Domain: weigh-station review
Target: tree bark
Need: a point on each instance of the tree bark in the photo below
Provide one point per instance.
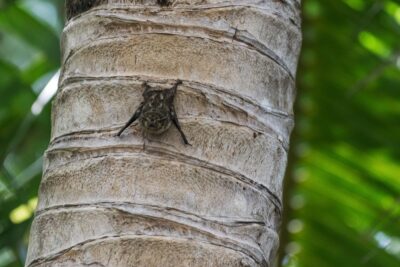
(106, 201)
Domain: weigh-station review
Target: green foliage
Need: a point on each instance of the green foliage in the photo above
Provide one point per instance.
(29, 55)
(343, 197)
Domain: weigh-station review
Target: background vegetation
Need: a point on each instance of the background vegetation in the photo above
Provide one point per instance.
(343, 181)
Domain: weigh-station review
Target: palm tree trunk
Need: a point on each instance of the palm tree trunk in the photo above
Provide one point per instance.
(106, 201)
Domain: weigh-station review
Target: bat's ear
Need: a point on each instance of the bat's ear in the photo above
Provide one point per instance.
(146, 89)
(173, 89)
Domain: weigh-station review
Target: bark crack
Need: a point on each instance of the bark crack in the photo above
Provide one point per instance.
(244, 41)
(202, 87)
(157, 212)
(85, 134)
(201, 228)
(293, 19)
(260, 259)
(166, 154)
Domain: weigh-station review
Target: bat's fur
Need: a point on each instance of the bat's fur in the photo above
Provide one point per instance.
(156, 113)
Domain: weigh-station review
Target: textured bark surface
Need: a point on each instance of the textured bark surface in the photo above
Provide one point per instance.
(104, 201)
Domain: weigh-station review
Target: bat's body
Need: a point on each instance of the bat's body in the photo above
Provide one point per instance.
(156, 113)
(163, 2)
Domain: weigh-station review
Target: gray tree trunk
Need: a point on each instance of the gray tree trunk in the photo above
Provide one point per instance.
(104, 200)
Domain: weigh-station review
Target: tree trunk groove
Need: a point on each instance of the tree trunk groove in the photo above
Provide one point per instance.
(106, 201)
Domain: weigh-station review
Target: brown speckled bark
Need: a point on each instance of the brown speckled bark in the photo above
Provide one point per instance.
(104, 201)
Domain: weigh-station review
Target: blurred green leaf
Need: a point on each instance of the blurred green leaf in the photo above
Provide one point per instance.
(29, 56)
(34, 32)
(346, 150)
